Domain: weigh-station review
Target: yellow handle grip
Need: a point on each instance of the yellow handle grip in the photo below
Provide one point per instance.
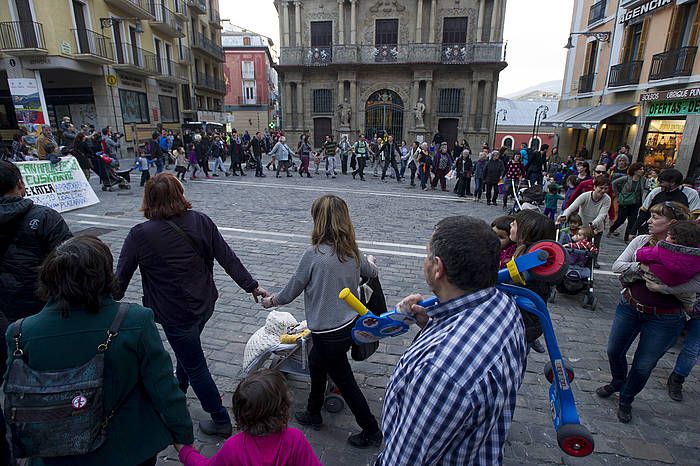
(347, 296)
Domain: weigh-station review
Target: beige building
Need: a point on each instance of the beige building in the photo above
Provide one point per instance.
(129, 64)
(632, 78)
(410, 68)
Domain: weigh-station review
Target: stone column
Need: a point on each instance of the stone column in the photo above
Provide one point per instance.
(433, 13)
(419, 23)
(300, 105)
(486, 110)
(288, 98)
(480, 22)
(341, 90)
(341, 22)
(285, 23)
(353, 22)
(353, 103)
(495, 15)
(473, 101)
(429, 110)
(297, 18)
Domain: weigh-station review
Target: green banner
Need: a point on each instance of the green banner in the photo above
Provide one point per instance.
(674, 107)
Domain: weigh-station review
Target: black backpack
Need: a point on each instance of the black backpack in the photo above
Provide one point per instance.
(58, 413)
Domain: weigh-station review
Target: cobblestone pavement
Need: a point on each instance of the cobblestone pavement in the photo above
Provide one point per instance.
(267, 222)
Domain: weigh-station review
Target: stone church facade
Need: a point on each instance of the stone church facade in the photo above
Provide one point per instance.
(410, 68)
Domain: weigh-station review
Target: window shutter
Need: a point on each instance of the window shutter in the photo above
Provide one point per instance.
(642, 39)
(674, 31)
(624, 58)
(695, 31)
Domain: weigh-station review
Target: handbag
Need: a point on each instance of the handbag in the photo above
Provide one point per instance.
(629, 197)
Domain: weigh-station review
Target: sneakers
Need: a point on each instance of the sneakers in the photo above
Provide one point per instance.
(306, 418)
(364, 439)
(209, 427)
(675, 386)
(606, 391)
(537, 346)
(624, 413)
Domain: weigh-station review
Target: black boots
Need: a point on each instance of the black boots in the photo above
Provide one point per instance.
(305, 418)
(675, 386)
(624, 413)
(366, 439)
(606, 391)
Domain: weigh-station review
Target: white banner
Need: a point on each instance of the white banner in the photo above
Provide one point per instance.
(61, 186)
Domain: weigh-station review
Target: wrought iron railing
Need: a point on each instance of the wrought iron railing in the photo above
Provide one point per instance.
(204, 43)
(137, 57)
(167, 17)
(625, 74)
(585, 83)
(597, 12)
(400, 54)
(93, 43)
(15, 35)
(184, 54)
(200, 5)
(673, 63)
(210, 82)
(144, 8)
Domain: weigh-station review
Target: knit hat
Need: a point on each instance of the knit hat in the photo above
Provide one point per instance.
(267, 337)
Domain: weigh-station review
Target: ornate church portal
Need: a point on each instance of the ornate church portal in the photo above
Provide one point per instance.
(384, 113)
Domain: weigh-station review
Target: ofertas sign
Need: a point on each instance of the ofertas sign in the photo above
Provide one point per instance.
(642, 10)
(61, 186)
(674, 107)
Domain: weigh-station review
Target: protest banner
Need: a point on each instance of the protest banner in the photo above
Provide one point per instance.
(61, 186)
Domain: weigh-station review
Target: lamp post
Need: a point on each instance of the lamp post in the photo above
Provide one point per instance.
(599, 36)
(543, 116)
(495, 129)
(541, 109)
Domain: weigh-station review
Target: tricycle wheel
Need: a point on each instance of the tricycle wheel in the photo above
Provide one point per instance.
(334, 403)
(557, 261)
(575, 440)
(549, 373)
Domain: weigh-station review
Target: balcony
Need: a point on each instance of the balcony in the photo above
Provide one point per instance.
(93, 47)
(254, 101)
(674, 63)
(166, 22)
(136, 60)
(168, 70)
(215, 19)
(625, 74)
(22, 38)
(597, 12)
(208, 46)
(585, 83)
(211, 84)
(144, 9)
(398, 54)
(198, 6)
(180, 8)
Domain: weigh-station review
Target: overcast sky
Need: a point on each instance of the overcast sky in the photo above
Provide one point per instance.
(536, 31)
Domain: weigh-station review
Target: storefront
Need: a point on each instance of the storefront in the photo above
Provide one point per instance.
(670, 130)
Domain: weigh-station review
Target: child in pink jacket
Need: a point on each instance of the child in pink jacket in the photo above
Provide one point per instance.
(261, 409)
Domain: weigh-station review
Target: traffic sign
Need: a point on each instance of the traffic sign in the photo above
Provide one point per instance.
(111, 80)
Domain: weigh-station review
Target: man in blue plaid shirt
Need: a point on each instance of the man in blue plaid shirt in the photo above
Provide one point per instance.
(451, 398)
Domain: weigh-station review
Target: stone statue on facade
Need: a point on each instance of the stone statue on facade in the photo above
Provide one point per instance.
(345, 113)
(419, 112)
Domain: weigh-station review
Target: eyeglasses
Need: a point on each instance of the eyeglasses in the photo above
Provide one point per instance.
(600, 172)
(674, 209)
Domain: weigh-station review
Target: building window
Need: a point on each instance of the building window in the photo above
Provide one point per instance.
(169, 112)
(134, 106)
(684, 27)
(386, 32)
(507, 142)
(321, 33)
(246, 40)
(248, 70)
(450, 101)
(323, 101)
(454, 30)
(249, 92)
(634, 41)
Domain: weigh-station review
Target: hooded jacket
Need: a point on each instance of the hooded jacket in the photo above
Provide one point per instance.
(31, 231)
(673, 264)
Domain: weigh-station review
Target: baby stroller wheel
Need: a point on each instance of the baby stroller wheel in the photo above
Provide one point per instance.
(334, 403)
(549, 373)
(589, 301)
(575, 440)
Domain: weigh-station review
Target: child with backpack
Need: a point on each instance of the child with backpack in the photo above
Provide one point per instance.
(261, 409)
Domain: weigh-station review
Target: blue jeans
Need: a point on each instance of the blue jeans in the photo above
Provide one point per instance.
(192, 367)
(404, 164)
(159, 164)
(657, 333)
(691, 349)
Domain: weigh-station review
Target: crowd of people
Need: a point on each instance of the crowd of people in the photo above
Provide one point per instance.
(440, 405)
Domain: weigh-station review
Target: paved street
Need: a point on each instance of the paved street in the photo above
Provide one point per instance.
(267, 222)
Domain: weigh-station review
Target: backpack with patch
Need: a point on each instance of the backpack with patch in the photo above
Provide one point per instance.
(58, 412)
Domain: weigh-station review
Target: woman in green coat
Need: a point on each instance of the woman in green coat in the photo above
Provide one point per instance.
(151, 411)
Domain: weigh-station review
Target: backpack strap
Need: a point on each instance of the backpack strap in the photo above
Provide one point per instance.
(114, 328)
(16, 336)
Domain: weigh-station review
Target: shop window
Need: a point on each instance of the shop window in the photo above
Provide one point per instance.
(323, 101)
(134, 106)
(321, 33)
(662, 142)
(454, 30)
(507, 142)
(169, 112)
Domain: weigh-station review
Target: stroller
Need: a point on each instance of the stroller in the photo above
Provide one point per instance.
(579, 276)
(111, 175)
(527, 196)
(290, 355)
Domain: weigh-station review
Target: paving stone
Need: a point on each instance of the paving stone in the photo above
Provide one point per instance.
(642, 450)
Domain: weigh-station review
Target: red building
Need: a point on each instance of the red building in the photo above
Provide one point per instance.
(251, 82)
(516, 126)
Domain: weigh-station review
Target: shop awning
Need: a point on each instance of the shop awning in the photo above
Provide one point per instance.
(586, 117)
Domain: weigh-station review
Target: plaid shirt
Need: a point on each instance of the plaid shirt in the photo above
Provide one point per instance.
(451, 398)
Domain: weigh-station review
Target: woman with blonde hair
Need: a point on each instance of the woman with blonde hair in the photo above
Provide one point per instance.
(331, 263)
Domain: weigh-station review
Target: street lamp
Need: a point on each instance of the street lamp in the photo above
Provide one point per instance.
(109, 22)
(495, 129)
(599, 36)
(540, 114)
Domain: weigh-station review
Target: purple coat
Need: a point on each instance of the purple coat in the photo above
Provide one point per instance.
(673, 264)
